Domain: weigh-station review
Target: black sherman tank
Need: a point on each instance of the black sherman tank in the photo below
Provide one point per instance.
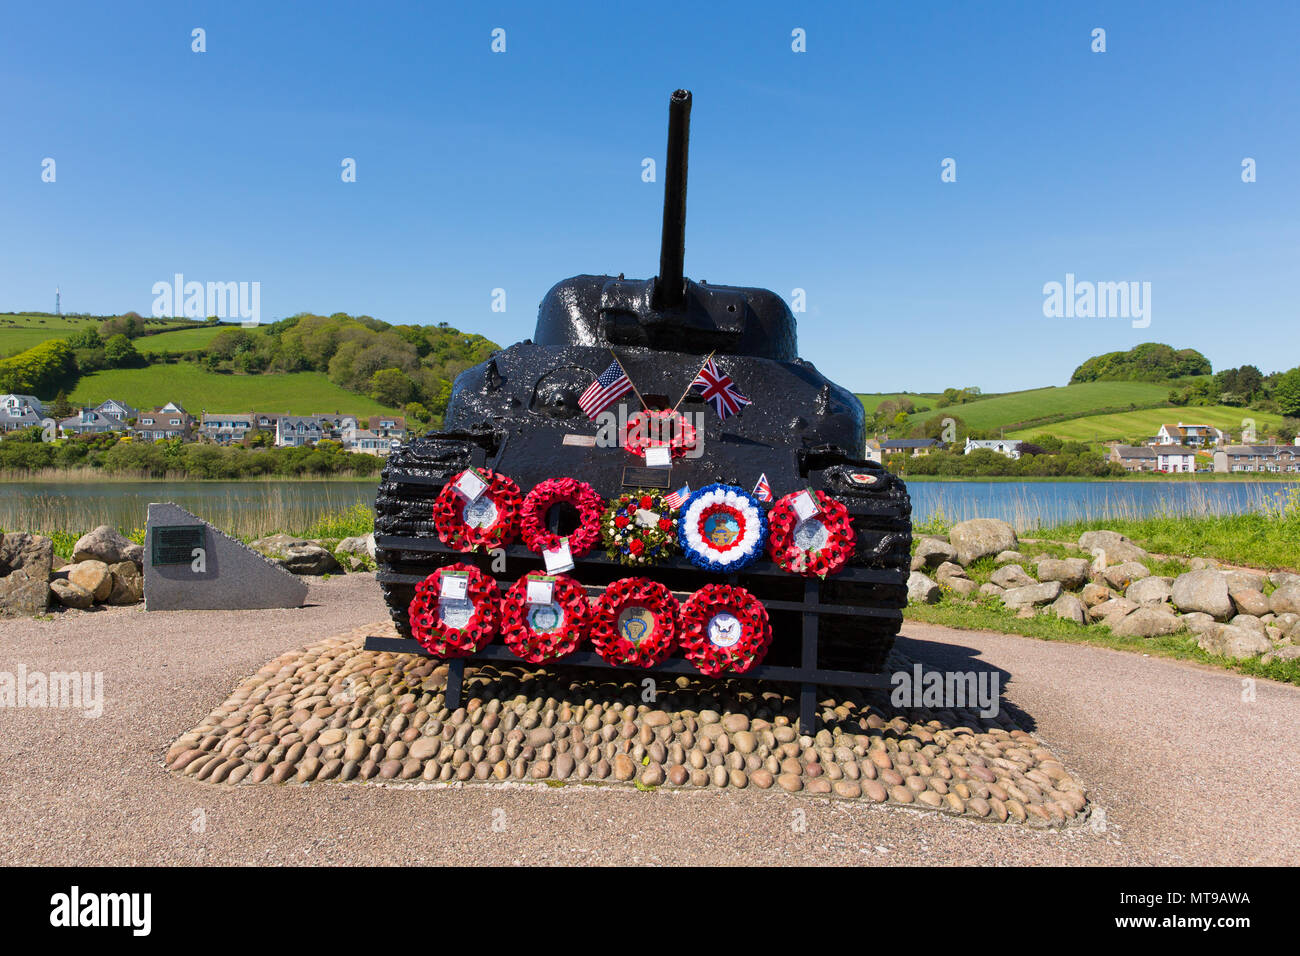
(513, 412)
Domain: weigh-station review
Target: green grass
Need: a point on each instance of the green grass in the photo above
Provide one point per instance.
(180, 340)
(20, 332)
(1072, 401)
(1136, 426)
(294, 393)
(989, 615)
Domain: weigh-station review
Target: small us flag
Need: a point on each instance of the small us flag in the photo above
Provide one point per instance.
(611, 385)
(678, 497)
(719, 389)
(762, 490)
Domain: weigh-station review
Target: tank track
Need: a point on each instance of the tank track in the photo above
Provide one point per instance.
(881, 510)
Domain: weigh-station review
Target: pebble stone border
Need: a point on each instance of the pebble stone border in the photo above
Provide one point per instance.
(333, 711)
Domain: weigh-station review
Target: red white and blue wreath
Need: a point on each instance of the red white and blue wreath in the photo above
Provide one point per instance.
(724, 630)
(635, 622)
(722, 528)
(539, 633)
(456, 626)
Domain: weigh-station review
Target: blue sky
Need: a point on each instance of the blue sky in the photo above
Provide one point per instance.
(816, 170)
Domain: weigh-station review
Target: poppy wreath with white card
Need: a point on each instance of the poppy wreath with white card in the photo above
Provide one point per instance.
(583, 497)
(722, 528)
(635, 622)
(639, 528)
(541, 632)
(819, 544)
(490, 520)
(659, 428)
(456, 626)
(724, 630)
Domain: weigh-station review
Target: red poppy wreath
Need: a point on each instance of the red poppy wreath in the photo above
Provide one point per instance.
(657, 429)
(489, 521)
(456, 626)
(820, 544)
(635, 622)
(539, 633)
(532, 520)
(724, 629)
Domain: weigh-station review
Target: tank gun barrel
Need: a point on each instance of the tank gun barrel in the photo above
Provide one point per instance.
(670, 290)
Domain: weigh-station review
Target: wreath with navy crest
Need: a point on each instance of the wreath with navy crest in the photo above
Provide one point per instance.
(725, 629)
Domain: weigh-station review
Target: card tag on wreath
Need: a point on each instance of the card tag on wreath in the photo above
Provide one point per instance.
(659, 456)
(541, 590)
(558, 558)
(454, 585)
(805, 505)
(470, 486)
(646, 518)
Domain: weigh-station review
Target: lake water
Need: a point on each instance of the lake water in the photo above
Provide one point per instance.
(259, 507)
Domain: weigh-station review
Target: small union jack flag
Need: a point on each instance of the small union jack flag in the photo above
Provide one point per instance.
(720, 390)
(762, 490)
(678, 497)
(611, 385)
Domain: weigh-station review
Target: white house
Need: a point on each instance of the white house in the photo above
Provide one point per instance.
(20, 411)
(115, 409)
(90, 421)
(1010, 447)
(1175, 458)
(296, 431)
(1196, 436)
(17, 402)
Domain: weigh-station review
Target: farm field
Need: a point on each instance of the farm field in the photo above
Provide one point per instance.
(1136, 426)
(180, 340)
(23, 331)
(294, 393)
(1074, 401)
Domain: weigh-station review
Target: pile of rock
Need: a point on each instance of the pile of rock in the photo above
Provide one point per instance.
(333, 711)
(303, 556)
(1226, 607)
(106, 568)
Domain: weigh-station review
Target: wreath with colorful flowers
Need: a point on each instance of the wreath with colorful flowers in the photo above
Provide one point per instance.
(550, 493)
(724, 628)
(820, 544)
(639, 528)
(539, 633)
(489, 521)
(722, 528)
(456, 627)
(646, 429)
(635, 622)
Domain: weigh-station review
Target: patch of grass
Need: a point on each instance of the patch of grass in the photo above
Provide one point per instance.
(1267, 539)
(1010, 408)
(989, 615)
(1136, 426)
(344, 523)
(293, 393)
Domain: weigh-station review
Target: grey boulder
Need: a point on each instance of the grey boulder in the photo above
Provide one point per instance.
(1205, 591)
(1011, 576)
(26, 561)
(1032, 595)
(932, 552)
(1116, 547)
(107, 544)
(981, 538)
(1071, 572)
(1150, 591)
(1236, 643)
(921, 589)
(1147, 621)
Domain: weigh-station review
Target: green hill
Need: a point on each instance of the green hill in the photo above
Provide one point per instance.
(872, 400)
(1016, 411)
(21, 331)
(179, 340)
(1137, 426)
(295, 393)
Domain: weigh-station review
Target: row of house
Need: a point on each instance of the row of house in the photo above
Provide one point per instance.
(879, 448)
(1169, 458)
(376, 435)
(1272, 458)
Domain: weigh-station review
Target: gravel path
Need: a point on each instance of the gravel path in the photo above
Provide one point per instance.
(1184, 770)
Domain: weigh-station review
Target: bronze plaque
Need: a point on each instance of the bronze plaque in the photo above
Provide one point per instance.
(642, 477)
